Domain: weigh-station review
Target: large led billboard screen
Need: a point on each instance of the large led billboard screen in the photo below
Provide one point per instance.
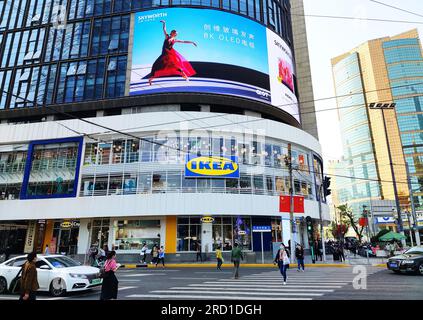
(210, 51)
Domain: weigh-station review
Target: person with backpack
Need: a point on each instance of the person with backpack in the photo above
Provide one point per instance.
(282, 260)
(109, 287)
(299, 254)
(160, 257)
(28, 282)
(236, 257)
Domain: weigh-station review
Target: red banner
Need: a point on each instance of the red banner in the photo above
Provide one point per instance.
(298, 204)
(284, 204)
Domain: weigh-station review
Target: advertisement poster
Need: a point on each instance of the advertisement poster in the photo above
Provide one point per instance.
(210, 51)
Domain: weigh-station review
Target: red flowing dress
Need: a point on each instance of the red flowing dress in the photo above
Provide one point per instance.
(171, 62)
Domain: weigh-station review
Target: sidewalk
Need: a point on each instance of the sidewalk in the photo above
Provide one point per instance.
(329, 263)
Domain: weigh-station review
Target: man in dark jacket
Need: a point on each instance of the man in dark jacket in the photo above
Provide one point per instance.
(299, 254)
(29, 282)
(199, 253)
(236, 257)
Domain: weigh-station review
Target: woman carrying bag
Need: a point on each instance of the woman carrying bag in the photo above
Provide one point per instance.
(109, 288)
(282, 260)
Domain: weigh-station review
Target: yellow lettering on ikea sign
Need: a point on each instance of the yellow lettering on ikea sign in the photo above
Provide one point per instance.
(207, 219)
(211, 166)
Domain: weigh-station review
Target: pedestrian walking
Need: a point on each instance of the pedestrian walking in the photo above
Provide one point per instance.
(341, 252)
(219, 257)
(236, 257)
(144, 252)
(161, 256)
(282, 260)
(106, 249)
(46, 250)
(101, 255)
(109, 287)
(299, 254)
(92, 256)
(318, 250)
(199, 253)
(29, 282)
(154, 253)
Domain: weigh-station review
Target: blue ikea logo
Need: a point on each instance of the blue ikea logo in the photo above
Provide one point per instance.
(211, 167)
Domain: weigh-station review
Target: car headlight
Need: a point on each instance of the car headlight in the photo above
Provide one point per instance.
(408, 262)
(80, 276)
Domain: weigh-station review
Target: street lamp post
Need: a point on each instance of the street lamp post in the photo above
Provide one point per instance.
(410, 227)
(382, 108)
(413, 209)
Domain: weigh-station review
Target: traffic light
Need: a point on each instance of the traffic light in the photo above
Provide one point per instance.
(326, 185)
(310, 232)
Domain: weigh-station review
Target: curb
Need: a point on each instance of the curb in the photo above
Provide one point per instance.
(250, 265)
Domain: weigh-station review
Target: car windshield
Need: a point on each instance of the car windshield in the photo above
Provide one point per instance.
(62, 262)
(415, 251)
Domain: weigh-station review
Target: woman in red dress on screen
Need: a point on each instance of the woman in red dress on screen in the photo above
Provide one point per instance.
(171, 62)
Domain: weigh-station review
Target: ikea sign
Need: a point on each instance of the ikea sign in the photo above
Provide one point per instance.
(211, 167)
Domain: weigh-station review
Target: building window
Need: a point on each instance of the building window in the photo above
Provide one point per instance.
(100, 232)
(223, 233)
(188, 233)
(52, 170)
(131, 234)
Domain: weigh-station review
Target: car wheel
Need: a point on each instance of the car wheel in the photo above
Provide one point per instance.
(3, 285)
(420, 269)
(57, 287)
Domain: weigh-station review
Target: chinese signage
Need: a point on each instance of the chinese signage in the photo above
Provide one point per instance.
(262, 228)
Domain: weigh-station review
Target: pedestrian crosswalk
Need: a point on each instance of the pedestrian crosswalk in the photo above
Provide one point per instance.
(267, 285)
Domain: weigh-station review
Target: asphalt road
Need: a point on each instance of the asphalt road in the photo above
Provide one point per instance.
(356, 282)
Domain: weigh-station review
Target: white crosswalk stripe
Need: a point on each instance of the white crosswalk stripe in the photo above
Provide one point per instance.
(260, 286)
(205, 297)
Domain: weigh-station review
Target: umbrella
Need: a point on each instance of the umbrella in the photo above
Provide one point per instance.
(392, 236)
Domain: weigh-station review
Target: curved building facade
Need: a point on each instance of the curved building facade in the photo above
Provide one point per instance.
(114, 133)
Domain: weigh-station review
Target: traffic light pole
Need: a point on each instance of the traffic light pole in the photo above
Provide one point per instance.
(291, 203)
(413, 209)
(321, 223)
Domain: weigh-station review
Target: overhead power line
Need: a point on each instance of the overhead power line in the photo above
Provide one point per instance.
(188, 152)
(396, 8)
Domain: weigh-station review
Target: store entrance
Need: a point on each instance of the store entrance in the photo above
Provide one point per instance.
(12, 236)
(65, 237)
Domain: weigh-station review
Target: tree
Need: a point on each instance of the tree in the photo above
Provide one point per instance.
(339, 230)
(348, 214)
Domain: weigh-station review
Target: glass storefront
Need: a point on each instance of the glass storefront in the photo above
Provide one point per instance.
(276, 229)
(130, 234)
(100, 232)
(188, 233)
(13, 235)
(65, 237)
(226, 231)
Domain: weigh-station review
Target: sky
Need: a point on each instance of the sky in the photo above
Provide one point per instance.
(329, 38)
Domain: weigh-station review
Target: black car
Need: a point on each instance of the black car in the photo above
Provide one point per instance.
(409, 261)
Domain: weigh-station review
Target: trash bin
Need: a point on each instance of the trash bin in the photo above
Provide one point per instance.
(250, 257)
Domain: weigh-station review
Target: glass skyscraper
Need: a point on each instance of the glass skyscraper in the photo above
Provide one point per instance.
(378, 143)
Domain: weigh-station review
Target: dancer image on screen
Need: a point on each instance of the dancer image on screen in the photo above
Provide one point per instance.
(171, 62)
